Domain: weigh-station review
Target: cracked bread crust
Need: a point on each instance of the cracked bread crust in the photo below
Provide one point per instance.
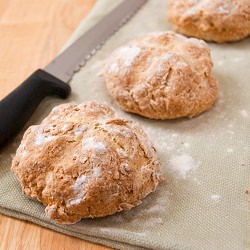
(82, 161)
(217, 20)
(162, 75)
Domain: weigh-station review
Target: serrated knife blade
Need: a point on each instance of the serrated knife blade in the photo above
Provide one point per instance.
(69, 61)
(18, 106)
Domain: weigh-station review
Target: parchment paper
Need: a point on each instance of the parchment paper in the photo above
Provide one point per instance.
(205, 210)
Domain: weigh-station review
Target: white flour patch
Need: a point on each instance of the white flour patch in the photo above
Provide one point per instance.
(96, 172)
(157, 33)
(24, 153)
(181, 165)
(166, 57)
(220, 63)
(223, 10)
(75, 201)
(79, 130)
(116, 130)
(110, 230)
(77, 188)
(186, 145)
(54, 117)
(197, 42)
(215, 197)
(91, 144)
(122, 153)
(155, 221)
(79, 182)
(160, 205)
(41, 139)
(237, 59)
(66, 127)
(155, 210)
(22, 149)
(128, 54)
(113, 68)
(244, 113)
(196, 7)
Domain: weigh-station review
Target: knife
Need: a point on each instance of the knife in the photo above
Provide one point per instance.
(18, 106)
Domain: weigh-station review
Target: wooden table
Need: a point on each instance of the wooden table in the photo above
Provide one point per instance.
(31, 34)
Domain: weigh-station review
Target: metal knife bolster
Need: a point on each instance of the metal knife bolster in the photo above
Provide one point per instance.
(18, 106)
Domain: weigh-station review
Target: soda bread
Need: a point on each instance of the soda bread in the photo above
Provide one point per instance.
(212, 20)
(162, 75)
(82, 161)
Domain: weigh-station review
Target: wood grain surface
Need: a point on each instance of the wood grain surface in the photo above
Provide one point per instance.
(32, 32)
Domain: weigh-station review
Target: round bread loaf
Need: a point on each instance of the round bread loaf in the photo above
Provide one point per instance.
(212, 20)
(162, 75)
(82, 161)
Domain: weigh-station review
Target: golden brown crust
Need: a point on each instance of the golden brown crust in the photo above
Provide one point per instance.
(82, 161)
(217, 20)
(162, 75)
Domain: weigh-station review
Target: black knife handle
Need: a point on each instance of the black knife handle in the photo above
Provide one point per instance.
(18, 106)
